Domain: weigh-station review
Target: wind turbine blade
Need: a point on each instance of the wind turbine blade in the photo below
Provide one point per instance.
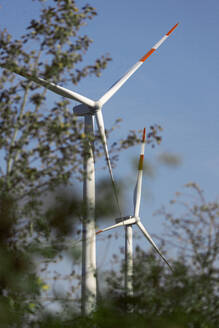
(52, 86)
(116, 86)
(100, 124)
(123, 223)
(137, 191)
(142, 228)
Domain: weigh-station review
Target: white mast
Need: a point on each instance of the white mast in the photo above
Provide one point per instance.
(88, 284)
(128, 261)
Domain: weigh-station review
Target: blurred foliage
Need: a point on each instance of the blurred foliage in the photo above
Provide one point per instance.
(169, 159)
(186, 297)
(106, 206)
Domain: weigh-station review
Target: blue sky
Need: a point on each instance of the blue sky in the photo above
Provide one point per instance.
(176, 88)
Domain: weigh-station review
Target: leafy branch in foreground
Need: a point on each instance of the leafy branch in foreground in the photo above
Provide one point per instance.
(195, 230)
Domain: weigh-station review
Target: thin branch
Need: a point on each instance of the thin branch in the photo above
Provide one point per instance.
(10, 165)
(10, 159)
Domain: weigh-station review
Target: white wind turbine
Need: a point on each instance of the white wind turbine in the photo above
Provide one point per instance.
(129, 221)
(90, 108)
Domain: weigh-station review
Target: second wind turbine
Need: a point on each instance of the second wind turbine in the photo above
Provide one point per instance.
(129, 221)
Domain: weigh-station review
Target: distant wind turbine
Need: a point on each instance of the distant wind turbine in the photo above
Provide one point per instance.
(129, 221)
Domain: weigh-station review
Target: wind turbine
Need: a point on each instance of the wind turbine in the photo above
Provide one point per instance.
(129, 221)
(90, 109)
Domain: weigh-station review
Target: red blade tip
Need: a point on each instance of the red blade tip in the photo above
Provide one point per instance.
(173, 28)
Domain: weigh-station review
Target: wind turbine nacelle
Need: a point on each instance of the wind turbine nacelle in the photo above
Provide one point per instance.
(124, 218)
(82, 110)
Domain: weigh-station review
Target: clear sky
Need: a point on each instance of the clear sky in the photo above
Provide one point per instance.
(176, 88)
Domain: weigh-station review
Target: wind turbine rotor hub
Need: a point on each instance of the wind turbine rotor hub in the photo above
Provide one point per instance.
(83, 110)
